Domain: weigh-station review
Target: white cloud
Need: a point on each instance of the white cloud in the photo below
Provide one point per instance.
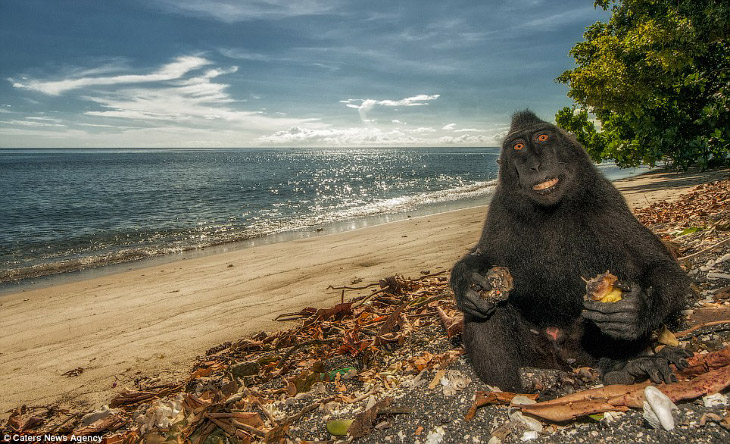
(232, 11)
(171, 71)
(449, 126)
(339, 137)
(560, 19)
(191, 106)
(33, 122)
(364, 106)
(371, 136)
(470, 130)
(468, 140)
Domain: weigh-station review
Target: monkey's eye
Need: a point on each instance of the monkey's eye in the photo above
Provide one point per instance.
(518, 146)
(543, 138)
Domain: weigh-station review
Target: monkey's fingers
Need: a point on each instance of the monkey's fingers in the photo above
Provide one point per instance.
(622, 317)
(624, 332)
(473, 305)
(623, 286)
(656, 368)
(622, 306)
(480, 281)
(675, 355)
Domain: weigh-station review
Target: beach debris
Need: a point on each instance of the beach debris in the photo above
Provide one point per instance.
(454, 381)
(482, 398)
(666, 337)
(623, 397)
(338, 427)
(658, 408)
(691, 208)
(453, 324)
(365, 421)
(162, 414)
(75, 372)
(129, 397)
(714, 400)
(604, 288)
(436, 435)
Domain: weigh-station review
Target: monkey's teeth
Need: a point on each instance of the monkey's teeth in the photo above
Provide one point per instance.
(545, 185)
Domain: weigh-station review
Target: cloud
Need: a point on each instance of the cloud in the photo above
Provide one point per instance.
(367, 136)
(449, 126)
(232, 11)
(370, 136)
(468, 140)
(170, 71)
(364, 106)
(192, 105)
(470, 130)
(32, 122)
(561, 19)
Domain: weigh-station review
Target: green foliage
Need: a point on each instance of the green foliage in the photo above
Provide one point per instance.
(657, 78)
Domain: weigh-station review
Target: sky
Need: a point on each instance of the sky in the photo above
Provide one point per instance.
(292, 73)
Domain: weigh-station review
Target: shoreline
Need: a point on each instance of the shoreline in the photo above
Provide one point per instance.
(154, 320)
(74, 270)
(34, 282)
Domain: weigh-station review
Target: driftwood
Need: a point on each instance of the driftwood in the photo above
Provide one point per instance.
(623, 397)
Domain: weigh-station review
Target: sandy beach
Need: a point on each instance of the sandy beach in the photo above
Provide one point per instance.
(154, 321)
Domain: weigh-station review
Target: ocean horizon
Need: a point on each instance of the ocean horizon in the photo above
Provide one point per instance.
(67, 210)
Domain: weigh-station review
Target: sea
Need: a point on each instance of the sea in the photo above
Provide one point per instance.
(68, 210)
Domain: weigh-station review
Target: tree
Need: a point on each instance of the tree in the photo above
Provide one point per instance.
(657, 78)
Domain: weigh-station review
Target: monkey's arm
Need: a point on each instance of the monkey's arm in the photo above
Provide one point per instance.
(467, 278)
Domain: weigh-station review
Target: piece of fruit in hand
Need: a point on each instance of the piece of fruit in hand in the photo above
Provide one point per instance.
(603, 288)
(501, 283)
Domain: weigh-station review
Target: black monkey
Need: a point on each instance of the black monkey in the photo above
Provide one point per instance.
(554, 220)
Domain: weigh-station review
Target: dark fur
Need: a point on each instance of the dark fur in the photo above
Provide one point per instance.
(548, 242)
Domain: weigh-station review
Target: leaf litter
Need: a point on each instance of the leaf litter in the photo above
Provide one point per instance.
(389, 367)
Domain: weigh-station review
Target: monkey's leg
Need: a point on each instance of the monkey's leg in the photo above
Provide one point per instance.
(502, 344)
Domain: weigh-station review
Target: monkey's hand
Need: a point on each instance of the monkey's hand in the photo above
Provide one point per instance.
(654, 367)
(622, 319)
(471, 302)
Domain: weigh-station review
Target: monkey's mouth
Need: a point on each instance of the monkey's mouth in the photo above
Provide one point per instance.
(547, 186)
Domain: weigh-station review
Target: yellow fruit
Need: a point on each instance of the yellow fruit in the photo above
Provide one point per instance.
(612, 296)
(601, 288)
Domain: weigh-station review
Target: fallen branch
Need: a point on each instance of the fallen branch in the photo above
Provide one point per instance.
(698, 364)
(482, 398)
(131, 397)
(687, 332)
(364, 287)
(288, 354)
(623, 397)
(706, 250)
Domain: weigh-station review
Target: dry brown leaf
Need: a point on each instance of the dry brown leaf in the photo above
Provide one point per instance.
(364, 421)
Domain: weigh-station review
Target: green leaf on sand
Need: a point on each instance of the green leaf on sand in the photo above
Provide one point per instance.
(338, 427)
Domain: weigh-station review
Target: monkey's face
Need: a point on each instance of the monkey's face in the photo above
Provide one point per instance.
(536, 159)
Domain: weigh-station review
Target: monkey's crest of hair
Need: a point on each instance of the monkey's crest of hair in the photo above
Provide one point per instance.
(522, 120)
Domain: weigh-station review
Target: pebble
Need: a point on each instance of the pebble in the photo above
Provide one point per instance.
(717, 275)
(436, 436)
(714, 400)
(531, 423)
